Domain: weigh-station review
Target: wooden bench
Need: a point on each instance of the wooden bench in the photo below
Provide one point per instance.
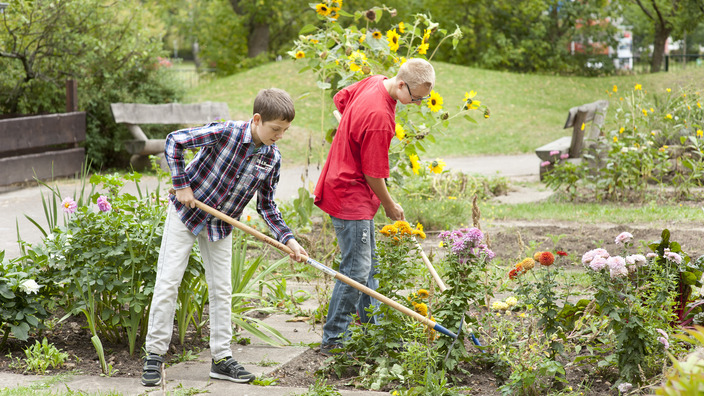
(133, 114)
(42, 146)
(586, 122)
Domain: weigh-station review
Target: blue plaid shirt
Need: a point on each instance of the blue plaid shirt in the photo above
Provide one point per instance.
(225, 174)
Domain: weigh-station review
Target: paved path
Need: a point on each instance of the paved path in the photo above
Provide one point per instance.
(18, 202)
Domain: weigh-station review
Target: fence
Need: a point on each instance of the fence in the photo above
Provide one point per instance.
(672, 62)
(190, 77)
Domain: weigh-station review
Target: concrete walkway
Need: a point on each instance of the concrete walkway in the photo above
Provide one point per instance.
(15, 203)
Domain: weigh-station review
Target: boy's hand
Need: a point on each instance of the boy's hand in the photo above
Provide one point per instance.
(185, 196)
(394, 212)
(299, 254)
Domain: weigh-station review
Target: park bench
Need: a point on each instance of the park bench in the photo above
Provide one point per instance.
(134, 114)
(586, 122)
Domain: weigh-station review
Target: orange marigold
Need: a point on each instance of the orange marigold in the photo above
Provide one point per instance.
(536, 256)
(528, 263)
(546, 259)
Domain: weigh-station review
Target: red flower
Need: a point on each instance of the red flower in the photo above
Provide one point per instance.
(561, 253)
(513, 273)
(546, 259)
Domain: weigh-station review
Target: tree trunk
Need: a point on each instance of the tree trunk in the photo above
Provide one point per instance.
(661, 35)
(258, 40)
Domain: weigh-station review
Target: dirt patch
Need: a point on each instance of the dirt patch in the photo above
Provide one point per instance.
(510, 240)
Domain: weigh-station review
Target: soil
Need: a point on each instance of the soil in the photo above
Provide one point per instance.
(510, 240)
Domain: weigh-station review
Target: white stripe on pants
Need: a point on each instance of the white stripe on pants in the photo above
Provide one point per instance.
(176, 245)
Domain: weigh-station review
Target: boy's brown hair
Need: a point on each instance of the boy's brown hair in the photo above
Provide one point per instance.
(274, 104)
(416, 73)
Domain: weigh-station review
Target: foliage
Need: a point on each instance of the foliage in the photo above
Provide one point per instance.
(686, 377)
(41, 356)
(649, 139)
(321, 388)
(639, 294)
(112, 49)
(468, 286)
(339, 56)
(526, 36)
(23, 300)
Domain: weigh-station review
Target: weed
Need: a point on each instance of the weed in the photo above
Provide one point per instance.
(39, 357)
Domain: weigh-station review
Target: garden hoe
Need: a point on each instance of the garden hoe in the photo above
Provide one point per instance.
(440, 283)
(342, 278)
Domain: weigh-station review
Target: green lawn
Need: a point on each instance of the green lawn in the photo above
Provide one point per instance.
(527, 110)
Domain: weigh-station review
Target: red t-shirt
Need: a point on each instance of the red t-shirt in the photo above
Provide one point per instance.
(360, 147)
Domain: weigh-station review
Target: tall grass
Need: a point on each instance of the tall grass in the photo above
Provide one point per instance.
(527, 110)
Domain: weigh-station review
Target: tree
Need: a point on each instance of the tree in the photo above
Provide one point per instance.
(111, 49)
(666, 18)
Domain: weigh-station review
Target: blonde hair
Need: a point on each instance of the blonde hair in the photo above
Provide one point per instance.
(417, 72)
(274, 104)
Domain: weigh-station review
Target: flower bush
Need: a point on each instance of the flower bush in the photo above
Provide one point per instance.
(649, 139)
(340, 56)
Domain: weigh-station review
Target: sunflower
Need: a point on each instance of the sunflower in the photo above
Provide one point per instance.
(400, 132)
(419, 233)
(426, 36)
(437, 166)
(469, 102)
(376, 34)
(401, 27)
(392, 37)
(435, 102)
(300, 54)
(322, 9)
(423, 49)
(415, 165)
(334, 12)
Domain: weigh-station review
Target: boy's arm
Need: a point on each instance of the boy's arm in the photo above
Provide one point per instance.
(176, 144)
(393, 210)
(266, 206)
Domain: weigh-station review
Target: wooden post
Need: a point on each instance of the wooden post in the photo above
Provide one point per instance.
(71, 96)
(578, 134)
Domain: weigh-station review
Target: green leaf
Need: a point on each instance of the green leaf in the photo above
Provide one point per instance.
(470, 119)
(21, 331)
(307, 29)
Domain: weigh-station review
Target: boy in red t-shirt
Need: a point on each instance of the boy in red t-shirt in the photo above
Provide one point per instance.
(351, 185)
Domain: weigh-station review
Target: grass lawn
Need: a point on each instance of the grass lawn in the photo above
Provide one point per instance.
(527, 110)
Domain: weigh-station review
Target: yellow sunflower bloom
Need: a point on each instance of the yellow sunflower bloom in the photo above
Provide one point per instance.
(403, 60)
(437, 166)
(426, 36)
(300, 55)
(322, 9)
(362, 38)
(469, 102)
(376, 34)
(400, 132)
(435, 101)
(645, 112)
(699, 104)
(392, 37)
(415, 164)
(615, 139)
(419, 233)
(423, 48)
(334, 12)
(354, 67)
(621, 130)
(401, 27)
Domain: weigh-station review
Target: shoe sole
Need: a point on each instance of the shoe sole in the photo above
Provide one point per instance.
(151, 383)
(228, 378)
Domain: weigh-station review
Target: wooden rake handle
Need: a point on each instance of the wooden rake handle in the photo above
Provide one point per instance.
(322, 267)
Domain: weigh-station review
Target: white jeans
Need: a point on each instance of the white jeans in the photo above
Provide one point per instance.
(176, 245)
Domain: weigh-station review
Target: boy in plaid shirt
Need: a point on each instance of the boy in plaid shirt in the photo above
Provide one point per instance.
(236, 160)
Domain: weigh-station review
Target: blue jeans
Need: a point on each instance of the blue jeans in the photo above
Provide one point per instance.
(356, 241)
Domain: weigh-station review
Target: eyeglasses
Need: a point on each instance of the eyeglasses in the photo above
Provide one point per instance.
(413, 98)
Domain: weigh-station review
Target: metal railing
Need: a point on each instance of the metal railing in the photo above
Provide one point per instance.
(671, 62)
(190, 77)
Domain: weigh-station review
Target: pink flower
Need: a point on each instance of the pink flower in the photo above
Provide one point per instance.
(636, 259)
(555, 152)
(624, 237)
(672, 256)
(664, 342)
(615, 262)
(590, 255)
(69, 205)
(545, 163)
(618, 271)
(651, 255)
(564, 156)
(598, 263)
(103, 204)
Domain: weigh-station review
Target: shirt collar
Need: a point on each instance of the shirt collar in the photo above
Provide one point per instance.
(264, 149)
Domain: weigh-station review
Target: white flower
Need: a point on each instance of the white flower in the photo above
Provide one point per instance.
(636, 259)
(615, 262)
(29, 286)
(624, 237)
(625, 387)
(672, 256)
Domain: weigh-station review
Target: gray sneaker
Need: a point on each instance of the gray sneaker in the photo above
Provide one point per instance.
(228, 369)
(151, 373)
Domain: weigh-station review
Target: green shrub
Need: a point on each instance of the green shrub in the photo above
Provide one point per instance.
(41, 356)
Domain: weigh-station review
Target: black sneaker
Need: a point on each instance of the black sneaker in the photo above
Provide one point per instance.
(331, 350)
(151, 374)
(228, 369)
